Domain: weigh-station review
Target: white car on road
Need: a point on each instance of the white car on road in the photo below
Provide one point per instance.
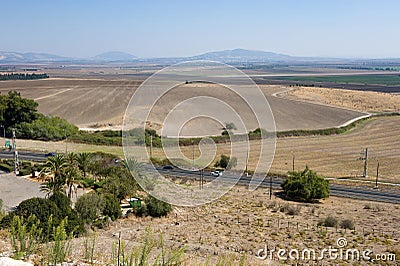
(216, 173)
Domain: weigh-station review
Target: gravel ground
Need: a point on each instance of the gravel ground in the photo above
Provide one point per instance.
(15, 189)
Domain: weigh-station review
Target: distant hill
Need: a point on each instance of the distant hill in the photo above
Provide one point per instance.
(115, 56)
(227, 56)
(243, 55)
(15, 57)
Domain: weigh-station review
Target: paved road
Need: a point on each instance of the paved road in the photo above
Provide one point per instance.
(364, 193)
(23, 155)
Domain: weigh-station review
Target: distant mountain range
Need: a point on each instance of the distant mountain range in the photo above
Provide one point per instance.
(229, 56)
(115, 56)
(237, 55)
(14, 57)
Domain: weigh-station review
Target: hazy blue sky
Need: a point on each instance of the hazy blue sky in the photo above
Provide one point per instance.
(349, 28)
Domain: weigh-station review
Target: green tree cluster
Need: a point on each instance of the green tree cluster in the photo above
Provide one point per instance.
(306, 185)
(226, 162)
(23, 76)
(46, 128)
(63, 172)
(15, 110)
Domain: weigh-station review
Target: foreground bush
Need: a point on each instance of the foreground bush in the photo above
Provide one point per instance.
(48, 215)
(89, 207)
(157, 208)
(112, 208)
(306, 185)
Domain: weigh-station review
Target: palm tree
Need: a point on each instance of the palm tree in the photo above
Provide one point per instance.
(70, 176)
(83, 159)
(54, 166)
(136, 168)
(52, 172)
(71, 158)
(52, 186)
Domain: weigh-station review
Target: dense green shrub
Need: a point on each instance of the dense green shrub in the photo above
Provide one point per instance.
(41, 208)
(6, 168)
(112, 208)
(49, 215)
(120, 182)
(87, 182)
(89, 207)
(62, 202)
(140, 210)
(75, 224)
(306, 185)
(156, 207)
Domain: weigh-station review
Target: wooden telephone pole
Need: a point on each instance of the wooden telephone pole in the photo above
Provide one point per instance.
(377, 175)
(365, 159)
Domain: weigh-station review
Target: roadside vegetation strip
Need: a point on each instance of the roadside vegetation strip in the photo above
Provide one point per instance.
(113, 138)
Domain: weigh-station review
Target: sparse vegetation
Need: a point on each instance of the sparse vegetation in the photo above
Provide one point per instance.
(347, 224)
(290, 209)
(329, 221)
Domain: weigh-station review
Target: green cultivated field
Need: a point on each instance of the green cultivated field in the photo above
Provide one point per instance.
(390, 80)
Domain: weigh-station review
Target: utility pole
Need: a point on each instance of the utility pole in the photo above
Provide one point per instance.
(365, 159)
(192, 155)
(247, 163)
(14, 145)
(201, 178)
(377, 175)
(293, 162)
(270, 187)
